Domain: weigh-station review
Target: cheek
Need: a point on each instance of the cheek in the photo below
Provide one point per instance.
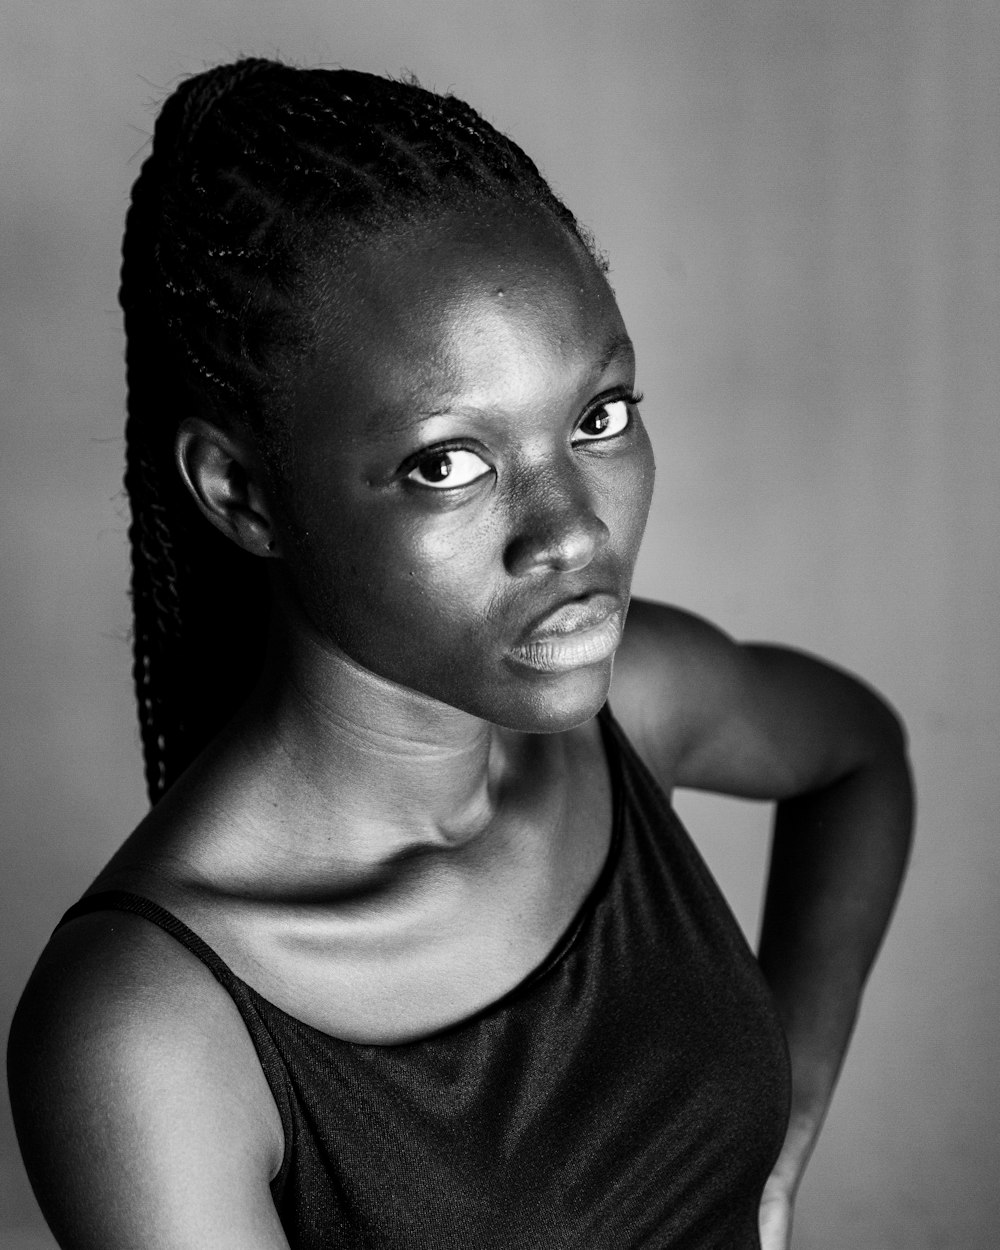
(644, 486)
(393, 593)
(628, 492)
(438, 571)
(424, 614)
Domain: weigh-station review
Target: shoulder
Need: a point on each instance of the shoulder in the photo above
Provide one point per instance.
(668, 662)
(135, 1087)
(750, 719)
(671, 640)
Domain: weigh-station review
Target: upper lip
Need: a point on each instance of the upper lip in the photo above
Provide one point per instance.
(581, 612)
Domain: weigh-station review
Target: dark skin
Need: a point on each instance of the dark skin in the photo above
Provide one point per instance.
(414, 803)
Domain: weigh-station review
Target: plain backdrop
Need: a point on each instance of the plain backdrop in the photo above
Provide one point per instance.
(800, 201)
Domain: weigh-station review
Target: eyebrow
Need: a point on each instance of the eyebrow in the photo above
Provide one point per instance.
(619, 348)
(383, 428)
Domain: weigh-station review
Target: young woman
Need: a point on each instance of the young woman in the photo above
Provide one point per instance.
(410, 950)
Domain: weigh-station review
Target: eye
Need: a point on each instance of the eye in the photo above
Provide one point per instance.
(605, 421)
(447, 470)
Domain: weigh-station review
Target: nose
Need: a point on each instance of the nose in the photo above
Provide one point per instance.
(557, 529)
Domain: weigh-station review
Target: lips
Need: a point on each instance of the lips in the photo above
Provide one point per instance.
(575, 634)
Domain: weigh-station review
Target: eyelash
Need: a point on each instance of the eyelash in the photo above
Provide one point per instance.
(631, 398)
(438, 453)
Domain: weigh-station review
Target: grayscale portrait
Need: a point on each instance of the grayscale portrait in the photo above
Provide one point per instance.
(501, 598)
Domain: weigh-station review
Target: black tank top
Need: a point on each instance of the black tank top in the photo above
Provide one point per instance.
(631, 1092)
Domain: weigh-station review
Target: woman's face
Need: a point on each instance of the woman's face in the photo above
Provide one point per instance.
(470, 478)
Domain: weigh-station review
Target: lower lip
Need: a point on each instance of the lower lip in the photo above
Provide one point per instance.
(560, 653)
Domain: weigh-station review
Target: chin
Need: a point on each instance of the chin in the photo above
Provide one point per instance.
(554, 703)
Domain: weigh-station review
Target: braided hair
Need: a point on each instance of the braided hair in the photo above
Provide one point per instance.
(252, 164)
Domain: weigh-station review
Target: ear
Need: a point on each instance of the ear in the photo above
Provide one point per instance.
(225, 480)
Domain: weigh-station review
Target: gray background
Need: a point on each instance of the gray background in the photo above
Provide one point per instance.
(800, 202)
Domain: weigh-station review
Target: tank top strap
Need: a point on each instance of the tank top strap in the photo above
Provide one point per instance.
(139, 905)
(244, 997)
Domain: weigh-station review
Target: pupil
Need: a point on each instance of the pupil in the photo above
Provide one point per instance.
(438, 468)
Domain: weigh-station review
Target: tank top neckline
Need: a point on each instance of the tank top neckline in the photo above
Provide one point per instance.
(614, 744)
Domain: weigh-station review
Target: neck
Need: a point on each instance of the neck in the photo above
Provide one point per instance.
(398, 767)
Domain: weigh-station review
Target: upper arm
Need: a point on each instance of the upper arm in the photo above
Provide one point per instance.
(751, 720)
(142, 1118)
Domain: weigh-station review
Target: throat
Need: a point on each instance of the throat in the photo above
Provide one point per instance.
(399, 790)
(363, 817)
(332, 736)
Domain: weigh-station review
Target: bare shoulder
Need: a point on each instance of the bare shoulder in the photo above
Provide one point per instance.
(752, 719)
(137, 1095)
(667, 661)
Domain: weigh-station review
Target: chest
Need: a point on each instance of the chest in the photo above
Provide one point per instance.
(443, 940)
(634, 1095)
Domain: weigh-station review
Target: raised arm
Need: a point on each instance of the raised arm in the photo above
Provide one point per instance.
(142, 1113)
(769, 723)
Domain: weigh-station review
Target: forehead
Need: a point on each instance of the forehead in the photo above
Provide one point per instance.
(457, 310)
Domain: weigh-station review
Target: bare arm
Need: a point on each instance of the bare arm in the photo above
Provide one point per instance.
(142, 1114)
(769, 723)
(837, 860)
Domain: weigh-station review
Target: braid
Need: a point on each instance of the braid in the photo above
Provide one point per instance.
(251, 164)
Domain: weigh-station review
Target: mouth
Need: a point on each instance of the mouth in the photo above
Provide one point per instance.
(574, 635)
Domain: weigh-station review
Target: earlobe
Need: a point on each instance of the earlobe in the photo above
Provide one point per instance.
(224, 479)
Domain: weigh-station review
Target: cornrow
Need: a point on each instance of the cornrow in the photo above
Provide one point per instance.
(252, 164)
